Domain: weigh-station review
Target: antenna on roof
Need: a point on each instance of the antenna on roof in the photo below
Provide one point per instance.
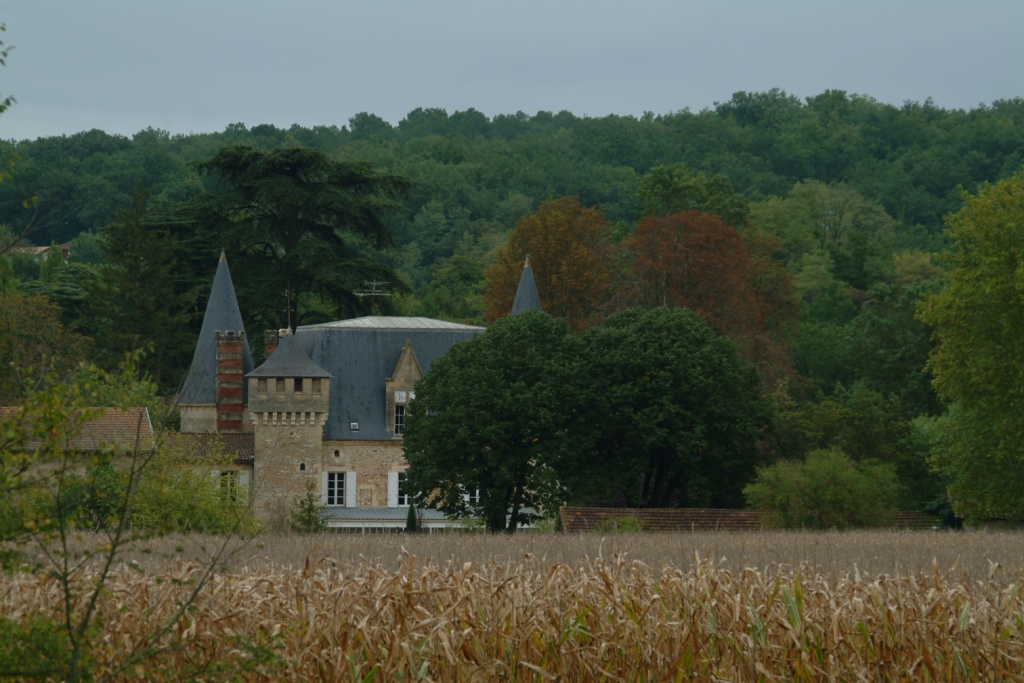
(374, 288)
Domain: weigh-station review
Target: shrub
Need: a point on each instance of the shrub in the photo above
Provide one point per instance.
(825, 491)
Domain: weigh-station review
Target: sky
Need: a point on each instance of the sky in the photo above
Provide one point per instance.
(193, 66)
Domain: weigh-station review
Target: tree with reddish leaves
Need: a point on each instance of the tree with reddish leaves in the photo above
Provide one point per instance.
(572, 259)
(694, 260)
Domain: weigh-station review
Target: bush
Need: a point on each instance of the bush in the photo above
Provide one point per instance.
(825, 491)
(176, 494)
(305, 518)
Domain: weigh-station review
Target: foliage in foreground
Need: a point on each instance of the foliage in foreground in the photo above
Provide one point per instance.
(53, 485)
(592, 620)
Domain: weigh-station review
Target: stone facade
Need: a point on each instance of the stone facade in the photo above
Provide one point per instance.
(372, 462)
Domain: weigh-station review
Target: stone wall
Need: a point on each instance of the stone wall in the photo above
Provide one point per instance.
(371, 461)
(288, 456)
(199, 418)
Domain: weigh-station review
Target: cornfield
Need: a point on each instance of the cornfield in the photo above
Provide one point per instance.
(601, 617)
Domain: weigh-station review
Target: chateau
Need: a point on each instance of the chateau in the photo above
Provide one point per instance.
(327, 408)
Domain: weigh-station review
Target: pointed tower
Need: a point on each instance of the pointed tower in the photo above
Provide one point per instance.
(213, 396)
(289, 399)
(527, 297)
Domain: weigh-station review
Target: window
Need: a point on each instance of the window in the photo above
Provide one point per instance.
(399, 419)
(227, 484)
(316, 386)
(279, 385)
(403, 491)
(336, 488)
(261, 385)
(472, 497)
(298, 385)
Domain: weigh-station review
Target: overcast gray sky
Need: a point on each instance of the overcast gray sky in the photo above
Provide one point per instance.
(198, 65)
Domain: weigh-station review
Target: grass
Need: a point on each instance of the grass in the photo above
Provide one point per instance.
(637, 607)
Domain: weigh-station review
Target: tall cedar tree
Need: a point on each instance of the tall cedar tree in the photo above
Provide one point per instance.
(301, 230)
(693, 260)
(573, 263)
(138, 300)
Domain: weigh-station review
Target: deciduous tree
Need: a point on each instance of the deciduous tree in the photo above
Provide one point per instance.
(979, 323)
(573, 263)
(693, 260)
(491, 415)
(673, 414)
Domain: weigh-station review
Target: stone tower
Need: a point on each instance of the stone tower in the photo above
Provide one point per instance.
(213, 396)
(289, 396)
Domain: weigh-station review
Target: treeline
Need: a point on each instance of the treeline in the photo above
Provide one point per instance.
(820, 224)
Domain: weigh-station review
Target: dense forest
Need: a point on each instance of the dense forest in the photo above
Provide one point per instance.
(822, 225)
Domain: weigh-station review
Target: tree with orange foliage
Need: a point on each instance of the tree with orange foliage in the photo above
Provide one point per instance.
(694, 260)
(572, 258)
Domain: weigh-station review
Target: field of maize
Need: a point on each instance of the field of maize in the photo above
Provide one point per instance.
(871, 606)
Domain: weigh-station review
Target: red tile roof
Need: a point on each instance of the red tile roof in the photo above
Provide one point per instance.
(239, 447)
(577, 519)
(128, 429)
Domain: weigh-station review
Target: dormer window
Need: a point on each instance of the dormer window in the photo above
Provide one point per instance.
(399, 389)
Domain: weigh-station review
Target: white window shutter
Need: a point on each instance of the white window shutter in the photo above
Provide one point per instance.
(323, 488)
(350, 489)
(392, 489)
(243, 484)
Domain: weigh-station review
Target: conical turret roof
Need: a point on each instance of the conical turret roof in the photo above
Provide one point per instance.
(527, 297)
(222, 315)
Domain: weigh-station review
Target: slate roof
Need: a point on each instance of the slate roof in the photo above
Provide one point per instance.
(221, 315)
(288, 360)
(129, 429)
(527, 296)
(361, 354)
(239, 447)
(383, 322)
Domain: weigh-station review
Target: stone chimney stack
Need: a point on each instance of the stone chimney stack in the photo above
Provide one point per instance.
(271, 338)
(229, 381)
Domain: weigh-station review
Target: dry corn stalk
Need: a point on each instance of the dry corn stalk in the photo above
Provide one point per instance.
(600, 620)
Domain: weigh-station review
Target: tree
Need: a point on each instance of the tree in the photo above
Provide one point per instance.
(693, 260)
(298, 224)
(306, 517)
(672, 414)
(866, 426)
(34, 344)
(490, 415)
(138, 300)
(666, 190)
(568, 245)
(978, 318)
(825, 491)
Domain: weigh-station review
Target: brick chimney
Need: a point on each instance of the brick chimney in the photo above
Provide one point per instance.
(229, 381)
